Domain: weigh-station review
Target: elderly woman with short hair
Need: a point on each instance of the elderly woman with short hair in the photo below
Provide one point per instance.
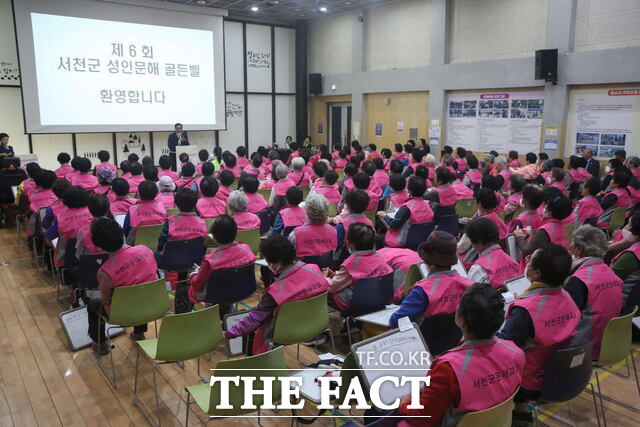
(594, 287)
(237, 203)
(282, 184)
(315, 237)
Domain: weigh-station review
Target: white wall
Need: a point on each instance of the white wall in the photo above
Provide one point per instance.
(492, 29)
(398, 35)
(11, 121)
(329, 45)
(607, 24)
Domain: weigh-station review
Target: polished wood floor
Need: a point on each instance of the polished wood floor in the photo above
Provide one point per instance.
(43, 383)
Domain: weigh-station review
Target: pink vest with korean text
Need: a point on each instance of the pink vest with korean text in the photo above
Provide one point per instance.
(171, 174)
(604, 300)
(447, 195)
(293, 216)
(210, 207)
(498, 265)
(399, 198)
(246, 220)
(633, 279)
(134, 183)
(63, 171)
(381, 178)
(256, 203)
(526, 219)
(587, 207)
(41, 198)
(147, 212)
(86, 181)
(87, 242)
(70, 221)
(184, 226)
(555, 231)
(506, 174)
(462, 191)
(354, 218)
(444, 290)
(555, 318)
(420, 213)
(502, 227)
(281, 186)
(475, 176)
(400, 258)
(122, 204)
(166, 200)
(299, 178)
(488, 372)
(185, 182)
(624, 200)
(223, 193)
(363, 264)
(315, 239)
(330, 192)
(461, 164)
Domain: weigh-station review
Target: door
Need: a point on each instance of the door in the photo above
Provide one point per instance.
(339, 124)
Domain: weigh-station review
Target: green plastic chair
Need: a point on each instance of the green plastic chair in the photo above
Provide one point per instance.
(209, 223)
(340, 176)
(311, 317)
(333, 210)
(568, 229)
(148, 235)
(413, 275)
(617, 220)
(269, 364)
(131, 306)
(305, 191)
(134, 195)
(616, 347)
(517, 212)
(172, 211)
(181, 337)
(371, 215)
(501, 215)
(250, 237)
(497, 416)
(265, 193)
(466, 208)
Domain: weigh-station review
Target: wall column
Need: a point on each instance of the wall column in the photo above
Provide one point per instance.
(359, 66)
(302, 103)
(440, 41)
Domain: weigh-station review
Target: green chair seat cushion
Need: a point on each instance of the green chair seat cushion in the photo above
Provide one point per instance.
(149, 346)
(201, 394)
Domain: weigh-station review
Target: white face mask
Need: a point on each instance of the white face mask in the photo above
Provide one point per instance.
(607, 169)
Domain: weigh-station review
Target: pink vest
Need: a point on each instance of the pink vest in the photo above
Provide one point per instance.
(498, 265)
(122, 205)
(348, 183)
(236, 171)
(555, 318)
(281, 186)
(86, 181)
(41, 198)
(475, 176)
(70, 221)
(106, 165)
(134, 183)
(229, 256)
(444, 290)
(515, 163)
(63, 171)
(501, 202)
(250, 170)
(502, 227)
(314, 239)
(361, 265)
(374, 199)
(420, 213)
(354, 218)
(578, 176)
(555, 231)
(462, 191)
(515, 198)
(587, 207)
(210, 207)
(381, 178)
(58, 207)
(223, 193)
(131, 265)
(632, 279)
(293, 216)
(399, 198)
(560, 186)
(256, 203)
(340, 163)
(461, 164)
(184, 226)
(399, 258)
(171, 174)
(506, 174)
(106, 191)
(448, 195)
(166, 200)
(126, 176)
(488, 372)
(147, 213)
(87, 242)
(185, 182)
(604, 301)
(299, 178)
(526, 219)
(624, 200)
(330, 192)
(246, 220)
(242, 162)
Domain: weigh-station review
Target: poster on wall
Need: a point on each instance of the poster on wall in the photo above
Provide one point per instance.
(604, 123)
(9, 71)
(501, 121)
(378, 129)
(135, 142)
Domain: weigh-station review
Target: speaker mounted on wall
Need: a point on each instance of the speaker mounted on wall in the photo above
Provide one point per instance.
(315, 83)
(547, 65)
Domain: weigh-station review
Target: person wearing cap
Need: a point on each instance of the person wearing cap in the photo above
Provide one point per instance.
(105, 177)
(166, 189)
(440, 292)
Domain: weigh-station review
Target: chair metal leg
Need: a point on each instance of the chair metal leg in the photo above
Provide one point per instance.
(186, 417)
(635, 371)
(595, 402)
(333, 344)
(604, 416)
(204, 380)
(349, 332)
(112, 379)
(611, 399)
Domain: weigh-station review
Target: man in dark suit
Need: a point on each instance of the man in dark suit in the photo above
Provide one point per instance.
(179, 137)
(593, 166)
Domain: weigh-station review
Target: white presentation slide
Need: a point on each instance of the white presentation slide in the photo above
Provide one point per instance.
(94, 72)
(96, 66)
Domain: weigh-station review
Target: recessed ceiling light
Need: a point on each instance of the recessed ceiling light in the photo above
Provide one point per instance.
(296, 10)
(202, 2)
(347, 3)
(323, 9)
(254, 9)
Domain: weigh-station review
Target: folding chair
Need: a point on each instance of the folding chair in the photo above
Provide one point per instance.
(369, 295)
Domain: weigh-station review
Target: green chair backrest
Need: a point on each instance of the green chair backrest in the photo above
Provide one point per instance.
(340, 176)
(517, 212)
(333, 210)
(568, 229)
(269, 364)
(209, 223)
(413, 275)
(348, 371)
(134, 194)
(189, 335)
(465, 208)
(265, 193)
(310, 315)
(139, 304)
(501, 215)
(251, 237)
(371, 215)
(305, 191)
(148, 235)
(617, 219)
(497, 416)
(616, 339)
(172, 211)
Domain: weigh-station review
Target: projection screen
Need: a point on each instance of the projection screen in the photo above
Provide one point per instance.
(97, 66)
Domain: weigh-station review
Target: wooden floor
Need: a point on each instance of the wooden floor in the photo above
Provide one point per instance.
(43, 383)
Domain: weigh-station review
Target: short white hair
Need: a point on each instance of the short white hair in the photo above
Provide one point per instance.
(297, 163)
(237, 201)
(500, 159)
(282, 171)
(591, 240)
(429, 159)
(317, 208)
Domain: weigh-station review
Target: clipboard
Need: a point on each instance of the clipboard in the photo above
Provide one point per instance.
(235, 346)
(76, 327)
(517, 285)
(379, 318)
